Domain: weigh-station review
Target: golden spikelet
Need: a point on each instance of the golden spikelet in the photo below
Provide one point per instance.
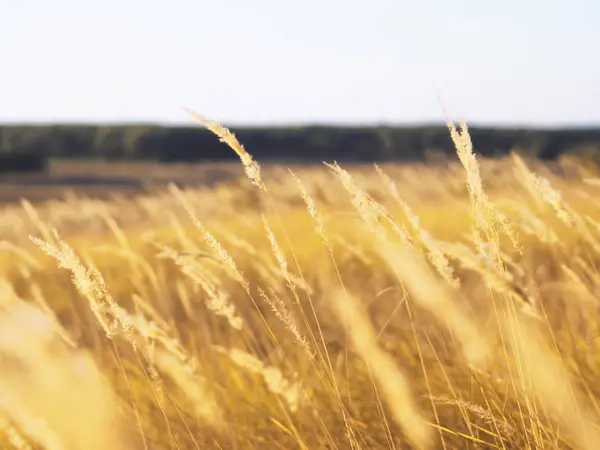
(499, 279)
(540, 186)
(250, 166)
(278, 253)
(372, 213)
(506, 429)
(283, 314)
(220, 251)
(488, 220)
(436, 257)
(88, 281)
(217, 302)
(311, 207)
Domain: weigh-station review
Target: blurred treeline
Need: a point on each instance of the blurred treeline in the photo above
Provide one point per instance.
(310, 143)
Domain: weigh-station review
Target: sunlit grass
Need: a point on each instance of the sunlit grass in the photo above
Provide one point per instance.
(410, 306)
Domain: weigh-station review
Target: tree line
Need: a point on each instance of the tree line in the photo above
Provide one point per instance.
(309, 143)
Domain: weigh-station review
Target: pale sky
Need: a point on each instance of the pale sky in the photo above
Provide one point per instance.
(274, 62)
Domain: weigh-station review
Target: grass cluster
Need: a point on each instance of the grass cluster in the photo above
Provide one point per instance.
(449, 306)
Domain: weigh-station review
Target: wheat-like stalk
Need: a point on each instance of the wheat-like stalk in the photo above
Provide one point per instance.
(488, 220)
(311, 207)
(225, 135)
(217, 301)
(283, 314)
(435, 255)
(220, 251)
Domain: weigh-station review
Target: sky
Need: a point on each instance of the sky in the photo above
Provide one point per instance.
(261, 62)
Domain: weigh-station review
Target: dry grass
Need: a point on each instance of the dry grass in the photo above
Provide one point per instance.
(357, 307)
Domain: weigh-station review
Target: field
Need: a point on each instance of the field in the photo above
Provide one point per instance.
(102, 180)
(452, 305)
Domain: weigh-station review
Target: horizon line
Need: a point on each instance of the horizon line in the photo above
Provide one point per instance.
(305, 124)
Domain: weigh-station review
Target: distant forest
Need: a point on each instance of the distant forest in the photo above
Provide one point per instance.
(20, 144)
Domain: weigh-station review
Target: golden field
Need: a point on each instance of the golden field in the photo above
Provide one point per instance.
(452, 305)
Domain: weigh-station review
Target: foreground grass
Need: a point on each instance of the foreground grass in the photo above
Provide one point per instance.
(301, 311)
